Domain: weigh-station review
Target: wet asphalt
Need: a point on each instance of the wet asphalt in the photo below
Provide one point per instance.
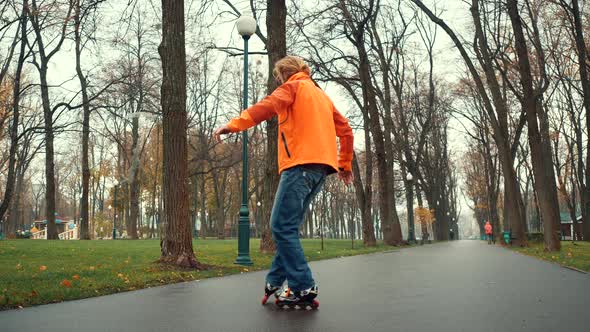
(456, 286)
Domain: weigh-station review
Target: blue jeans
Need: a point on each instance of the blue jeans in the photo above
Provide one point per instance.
(297, 188)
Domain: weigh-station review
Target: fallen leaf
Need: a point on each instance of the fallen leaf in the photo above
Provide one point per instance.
(76, 277)
(19, 266)
(92, 268)
(42, 268)
(34, 294)
(66, 283)
(120, 275)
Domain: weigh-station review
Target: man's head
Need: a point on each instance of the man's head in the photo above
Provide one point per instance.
(288, 66)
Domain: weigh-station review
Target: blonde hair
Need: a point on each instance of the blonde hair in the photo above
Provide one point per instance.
(288, 66)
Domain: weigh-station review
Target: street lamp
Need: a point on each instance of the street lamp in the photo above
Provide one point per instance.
(115, 216)
(246, 26)
(410, 179)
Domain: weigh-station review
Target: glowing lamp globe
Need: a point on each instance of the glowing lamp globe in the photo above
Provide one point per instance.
(246, 25)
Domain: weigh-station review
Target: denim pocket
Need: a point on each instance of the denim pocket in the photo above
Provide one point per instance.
(311, 178)
(307, 179)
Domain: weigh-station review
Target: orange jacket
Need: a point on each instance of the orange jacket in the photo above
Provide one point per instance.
(488, 228)
(308, 125)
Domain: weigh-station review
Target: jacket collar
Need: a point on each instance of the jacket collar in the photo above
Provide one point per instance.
(298, 76)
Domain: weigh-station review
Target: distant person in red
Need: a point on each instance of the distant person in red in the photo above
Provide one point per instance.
(489, 233)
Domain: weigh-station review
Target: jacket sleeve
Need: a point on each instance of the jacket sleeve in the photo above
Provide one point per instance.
(344, 133)
(279, 100)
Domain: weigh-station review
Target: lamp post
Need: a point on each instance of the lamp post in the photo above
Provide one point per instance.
(258, 223)
(411, 236)
(246, 26)
(115, 217)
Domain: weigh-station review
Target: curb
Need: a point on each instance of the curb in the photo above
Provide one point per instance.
(574, 269)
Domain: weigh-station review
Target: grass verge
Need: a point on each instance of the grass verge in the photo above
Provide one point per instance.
(575, 255)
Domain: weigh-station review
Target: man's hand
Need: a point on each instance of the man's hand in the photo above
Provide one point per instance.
(346, 177)
(223, 130)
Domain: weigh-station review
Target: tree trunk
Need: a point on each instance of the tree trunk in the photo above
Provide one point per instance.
(276, 14)
(364, 198)
(176, 242)
(14, 213)
(220, 217)
(49, 156)
(134, 182)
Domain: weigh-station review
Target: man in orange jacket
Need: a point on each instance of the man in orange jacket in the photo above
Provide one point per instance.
(309, 125)
(489, 233)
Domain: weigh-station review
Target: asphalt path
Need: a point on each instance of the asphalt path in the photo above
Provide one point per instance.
(456, 286)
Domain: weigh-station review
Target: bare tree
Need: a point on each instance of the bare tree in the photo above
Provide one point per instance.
(575, 19)
(41, 20)
(538, 131)
(83, 17)
(176, 243)
(16, 95)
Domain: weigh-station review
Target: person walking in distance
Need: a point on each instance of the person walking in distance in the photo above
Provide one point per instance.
(489, 233)
(309, 126)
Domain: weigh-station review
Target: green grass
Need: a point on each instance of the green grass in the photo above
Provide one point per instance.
(573, 255)
(37, 272)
